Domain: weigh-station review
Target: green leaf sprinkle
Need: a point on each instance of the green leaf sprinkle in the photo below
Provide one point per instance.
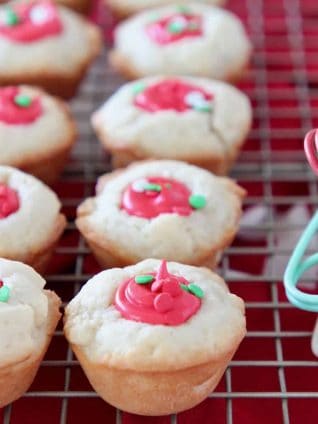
(196, 290)
(154, 17)
(4, 294)
(176, 27)
(197, 201)
(144, 279)
(138, 88)
(183, 9)
(202, 107)
(11, 18)
(152, 187)
(184, 287)
(22, 100)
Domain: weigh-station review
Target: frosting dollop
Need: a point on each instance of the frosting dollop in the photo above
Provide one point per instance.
(172, 94)
(175, 27)
(30, 21)
(152, 196)
(9, 201)
(158, 298)
(18, 108)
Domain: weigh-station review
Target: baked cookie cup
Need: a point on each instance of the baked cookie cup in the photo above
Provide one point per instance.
(123, 8)
(80, 6)
(29, 315)
(199, 121)
(196, 40)
(30, 220)
(39, 45)
(163, 209)
(155, 338)
(37, 132)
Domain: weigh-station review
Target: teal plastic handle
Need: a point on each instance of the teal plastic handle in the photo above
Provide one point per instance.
(297, 266)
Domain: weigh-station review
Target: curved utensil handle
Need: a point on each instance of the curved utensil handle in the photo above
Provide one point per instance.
(297, 266)
(311, 149)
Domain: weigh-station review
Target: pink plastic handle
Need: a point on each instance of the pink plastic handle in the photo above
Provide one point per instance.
(311, 149)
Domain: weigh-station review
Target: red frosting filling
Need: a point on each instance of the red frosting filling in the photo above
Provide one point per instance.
(165, 300)
(156, 195)
(17, 108)
(174, 28)
(27, 22)
(175, 95)
(9, 201)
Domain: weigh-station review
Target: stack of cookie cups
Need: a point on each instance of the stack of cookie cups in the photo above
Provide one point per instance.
(157, 225)
(154, 336)
(39, 51)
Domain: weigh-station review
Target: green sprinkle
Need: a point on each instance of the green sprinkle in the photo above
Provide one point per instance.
(144, 279)
(196, 290)
(154, 17)
(184, 287)
(152, 187)
(203, 107)
(168, 185)
(22, 100)
(11, 18)
(176, 27)
(4, 294)
(183, 9)
(197, 201)
(138, 88)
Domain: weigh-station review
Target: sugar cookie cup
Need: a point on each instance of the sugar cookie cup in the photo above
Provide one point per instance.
(195, 40)
(164, 209)
(37, 132)
(31, 223)
(39, 45)
(197, 120)
(156, 347)
(124, 8)
(80, 6)
(28, 317)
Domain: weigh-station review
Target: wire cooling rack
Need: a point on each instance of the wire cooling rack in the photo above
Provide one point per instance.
(273, 377)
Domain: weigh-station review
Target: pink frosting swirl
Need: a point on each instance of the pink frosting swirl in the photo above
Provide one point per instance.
(17, 108)
(28, 22)
(9, 201)
(172, 197)
(174, 28)
(165, 299)
(173, 94)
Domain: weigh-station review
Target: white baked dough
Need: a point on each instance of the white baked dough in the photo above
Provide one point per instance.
(184, 238)
(62, 53)
(68, 3)
(222, 52)
(174, 135)
(126, 7)
(23, 319)
(32, 225)
(93, 323)
(53, 130)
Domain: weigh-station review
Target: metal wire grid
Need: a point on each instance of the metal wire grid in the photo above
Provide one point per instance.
(283, 24)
